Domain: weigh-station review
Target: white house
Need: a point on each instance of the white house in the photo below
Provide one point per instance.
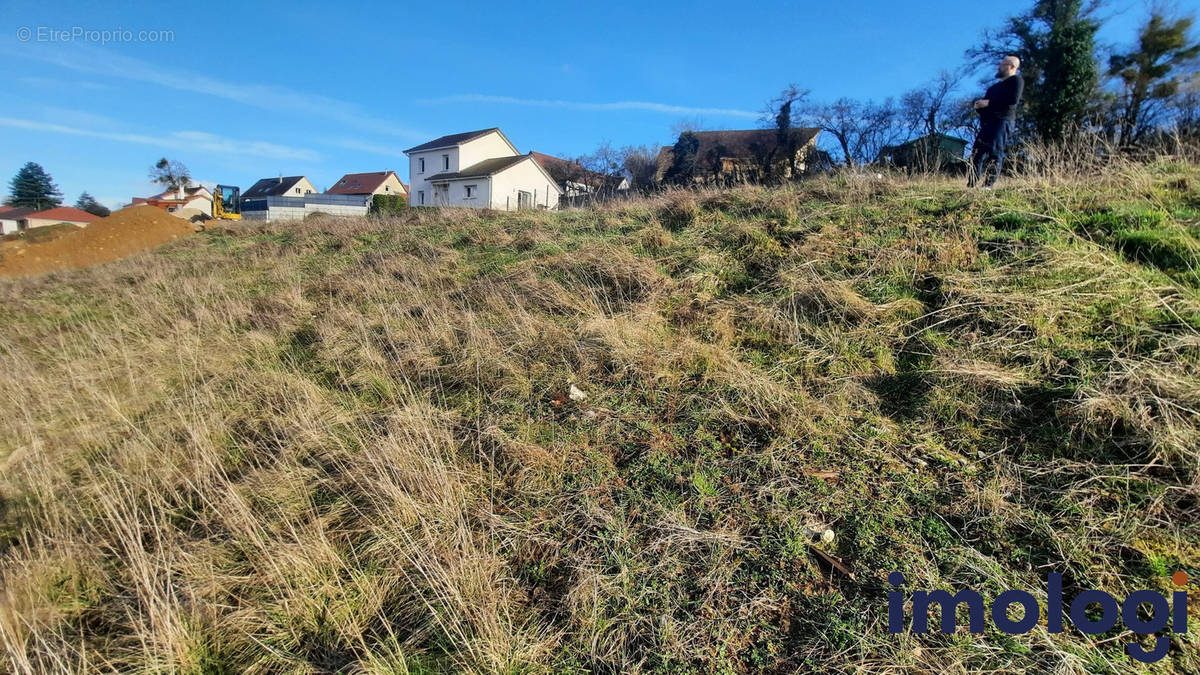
(478, 169)
(11, 218)
(184, 202)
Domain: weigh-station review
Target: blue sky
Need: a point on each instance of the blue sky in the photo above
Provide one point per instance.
(250, 90)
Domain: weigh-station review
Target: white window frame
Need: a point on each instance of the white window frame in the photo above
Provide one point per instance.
(445, 162)
(471, 190)
(420, 165)
(421, 197)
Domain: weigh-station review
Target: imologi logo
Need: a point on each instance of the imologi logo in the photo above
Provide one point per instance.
(1161, 612)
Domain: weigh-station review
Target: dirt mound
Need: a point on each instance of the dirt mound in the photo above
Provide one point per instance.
(124, 233)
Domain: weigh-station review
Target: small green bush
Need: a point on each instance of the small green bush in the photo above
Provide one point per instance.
(388, 205)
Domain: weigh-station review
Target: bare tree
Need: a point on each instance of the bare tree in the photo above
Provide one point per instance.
(929, 108)
(640, 164)
(687, 124)
(860, 128)
(1184, 107)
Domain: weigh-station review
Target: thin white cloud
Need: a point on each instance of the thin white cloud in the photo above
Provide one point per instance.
(198, 141)
(55, 83)
(373, 148)
(647, 106)
(96, 61)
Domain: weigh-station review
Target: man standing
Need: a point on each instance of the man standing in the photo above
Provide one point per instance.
(997, 121)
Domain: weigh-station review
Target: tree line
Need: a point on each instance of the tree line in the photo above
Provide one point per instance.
(1129, 96)
(33, 187)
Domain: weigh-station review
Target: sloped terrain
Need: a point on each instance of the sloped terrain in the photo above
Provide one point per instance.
(609, 440)
(124, 233)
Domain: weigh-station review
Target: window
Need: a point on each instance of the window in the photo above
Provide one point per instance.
(387, 188)
(471, 191)
(297, 190)
(445, 162)
(421, 197)
(421, 165)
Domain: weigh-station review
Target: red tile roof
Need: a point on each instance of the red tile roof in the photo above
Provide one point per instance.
(362, 183)
(68, 214)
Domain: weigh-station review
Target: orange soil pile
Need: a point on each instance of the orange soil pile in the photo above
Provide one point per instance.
(124, 233)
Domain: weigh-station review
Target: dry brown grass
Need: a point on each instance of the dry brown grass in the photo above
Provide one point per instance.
(348, 445)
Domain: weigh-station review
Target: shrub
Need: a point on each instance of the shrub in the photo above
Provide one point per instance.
(387, 205)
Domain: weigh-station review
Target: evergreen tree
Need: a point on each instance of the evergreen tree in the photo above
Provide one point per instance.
(1069, 72)
(1055, 41)
(33, 188)
(88, 203)
(683, 164)
(1149, 73)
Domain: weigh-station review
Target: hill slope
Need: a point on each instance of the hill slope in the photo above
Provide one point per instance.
(605, 440)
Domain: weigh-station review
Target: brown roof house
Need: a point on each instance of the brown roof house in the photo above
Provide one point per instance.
(738, 156)
(576, 181)
(371, 183)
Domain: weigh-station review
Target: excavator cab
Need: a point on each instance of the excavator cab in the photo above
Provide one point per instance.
(227, 203)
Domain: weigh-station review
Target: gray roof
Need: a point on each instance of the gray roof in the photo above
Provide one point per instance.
(272, 187)
(485, 168)
(451, 140)
(17, 213)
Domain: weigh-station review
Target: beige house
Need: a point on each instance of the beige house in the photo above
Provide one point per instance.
(478, 169)
(372, 183)
(283, 186)
(62, 214)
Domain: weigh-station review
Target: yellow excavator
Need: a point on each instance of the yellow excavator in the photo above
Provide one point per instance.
(226, 203)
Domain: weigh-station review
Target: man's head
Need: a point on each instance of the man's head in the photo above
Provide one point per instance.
(1008, 66)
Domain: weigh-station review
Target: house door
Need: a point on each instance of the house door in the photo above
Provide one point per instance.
(524, 199)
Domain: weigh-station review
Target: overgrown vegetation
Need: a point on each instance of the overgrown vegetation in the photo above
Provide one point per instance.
(388, 205)
(602, 440)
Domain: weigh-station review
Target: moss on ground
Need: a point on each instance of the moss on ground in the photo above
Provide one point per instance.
(345, 444)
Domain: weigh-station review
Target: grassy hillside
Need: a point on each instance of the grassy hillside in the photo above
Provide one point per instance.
(603, 441)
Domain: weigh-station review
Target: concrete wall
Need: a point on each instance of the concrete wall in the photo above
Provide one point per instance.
(290, 208)
(7, 226)
(31, 223)
(528, 176)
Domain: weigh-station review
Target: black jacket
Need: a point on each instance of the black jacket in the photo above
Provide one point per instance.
(1003, 99)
